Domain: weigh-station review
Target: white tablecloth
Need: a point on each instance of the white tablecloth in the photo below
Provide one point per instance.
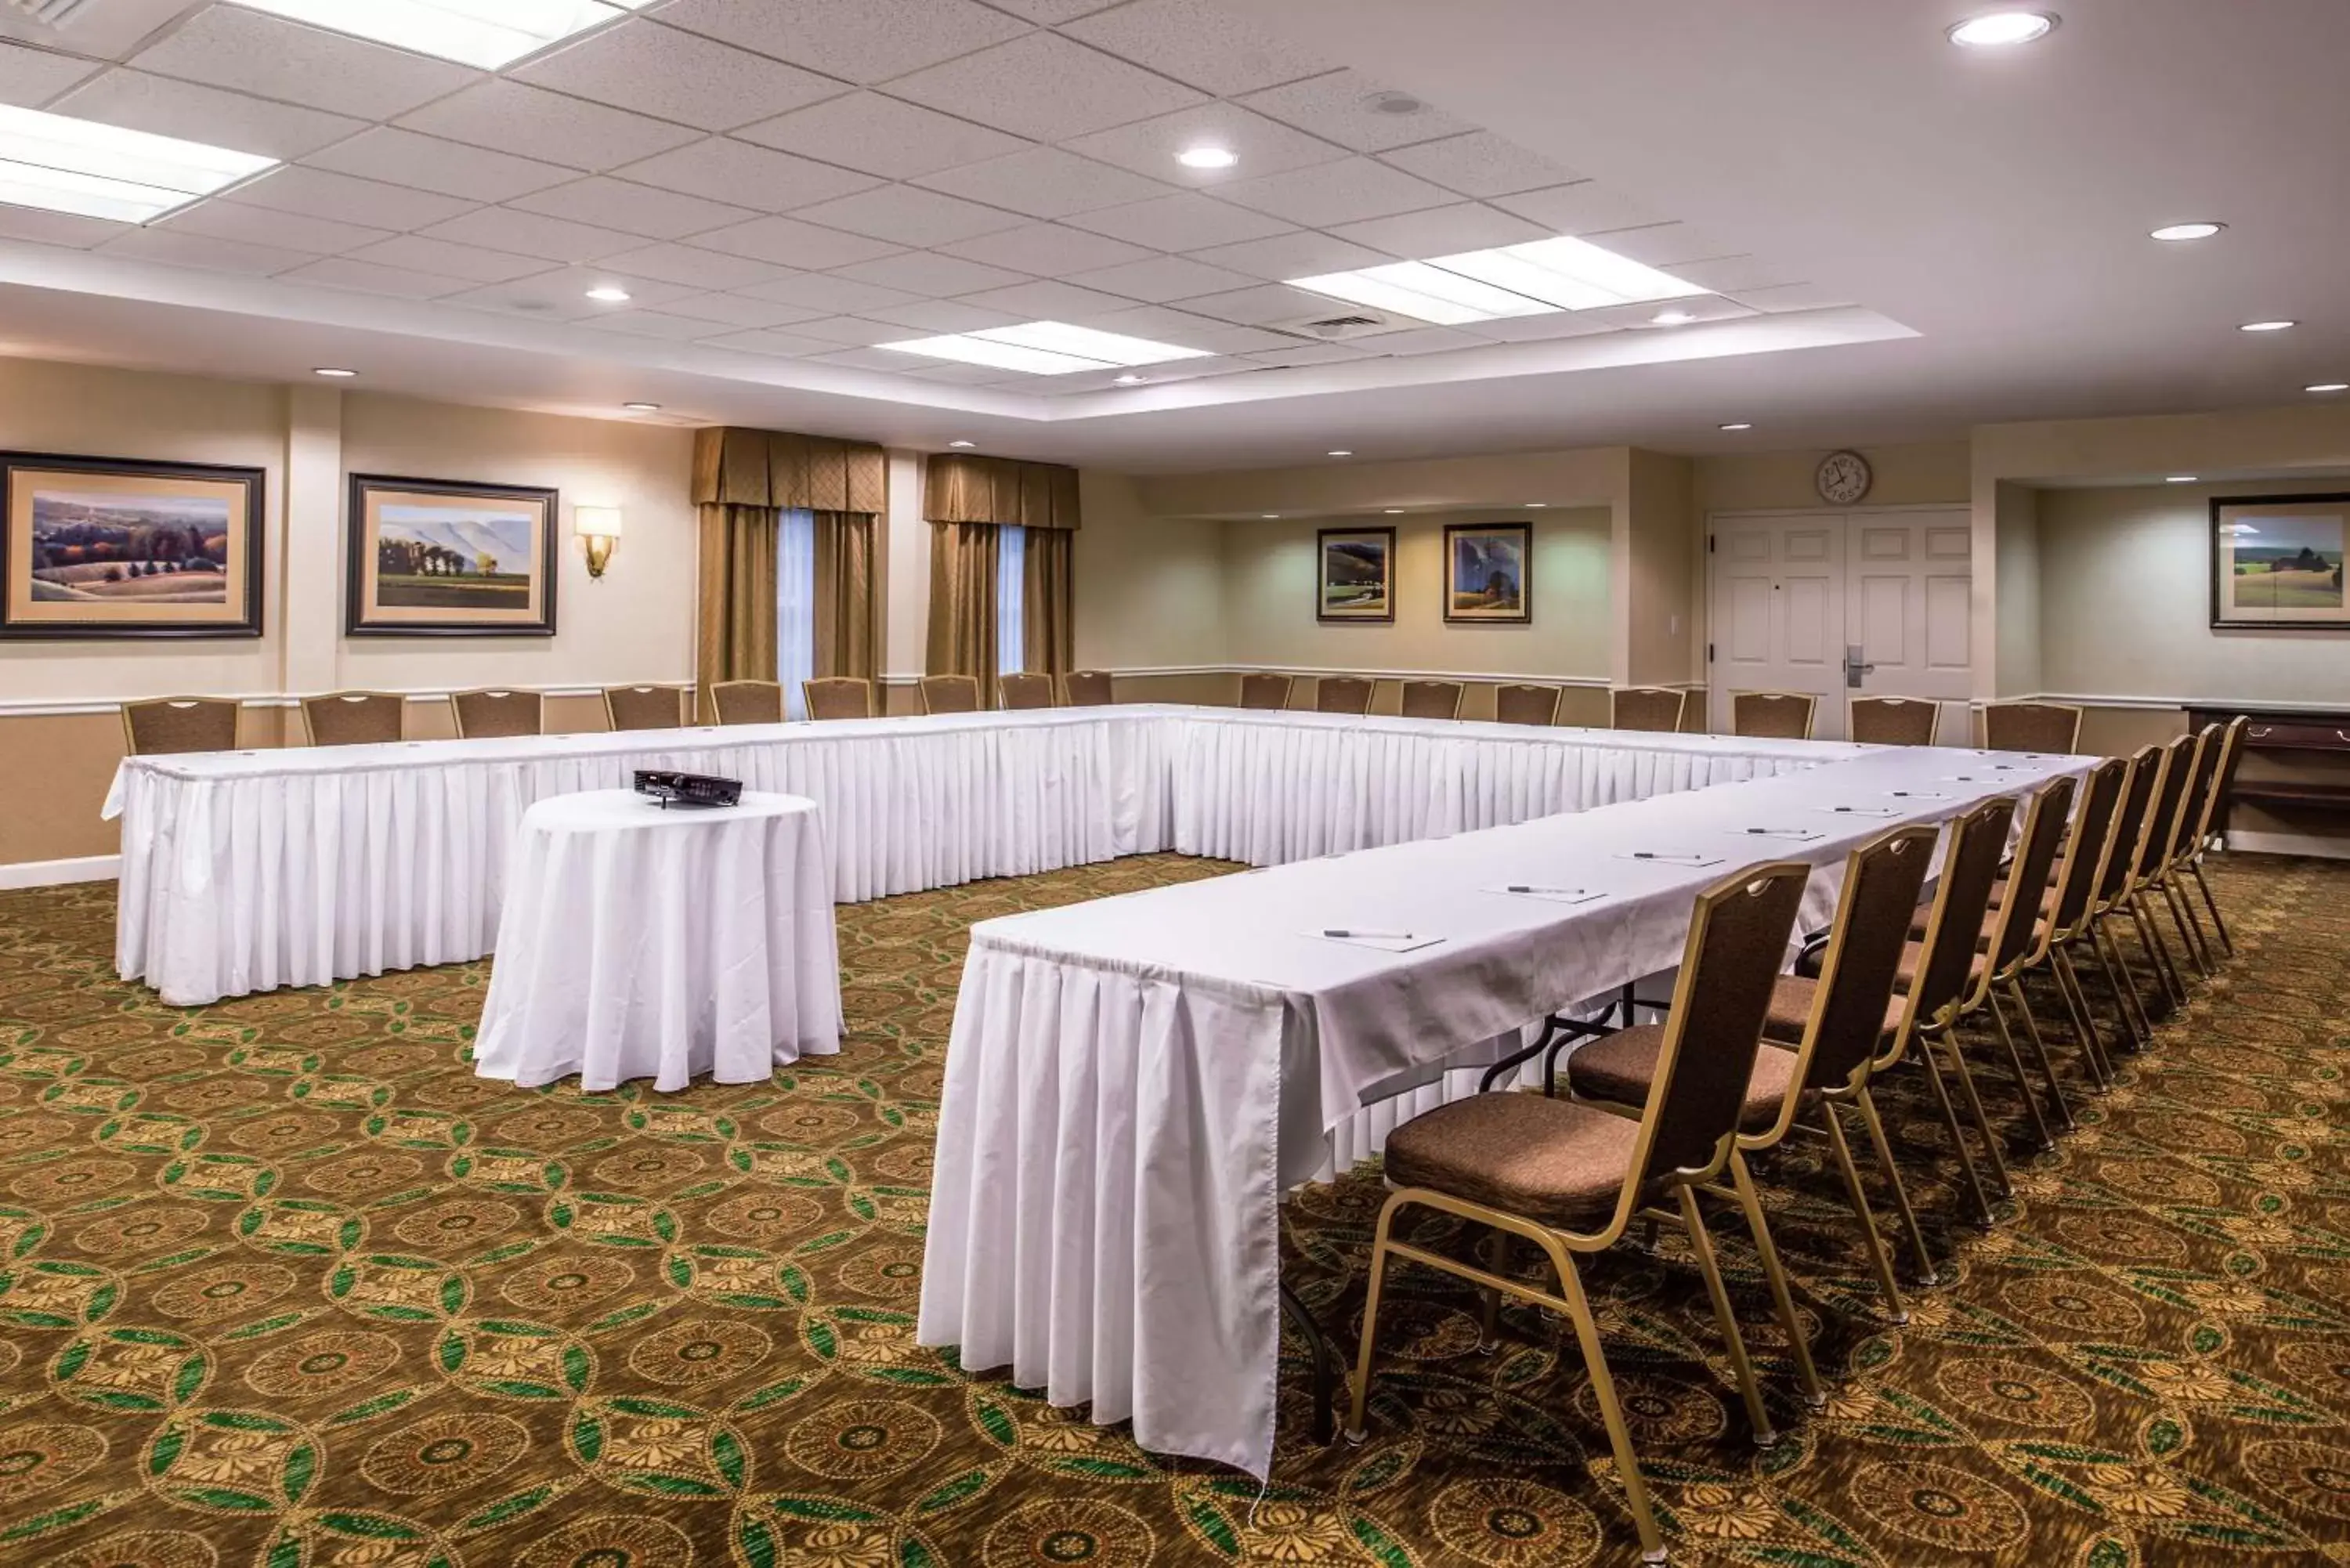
(242, 871)
(643, 942)
(1132, 1082)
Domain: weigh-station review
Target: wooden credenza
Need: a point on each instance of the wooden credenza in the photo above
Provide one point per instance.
(2294, 764)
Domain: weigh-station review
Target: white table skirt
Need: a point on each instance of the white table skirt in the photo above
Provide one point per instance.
(242, 871)
(644, 942)
(1131, 1084)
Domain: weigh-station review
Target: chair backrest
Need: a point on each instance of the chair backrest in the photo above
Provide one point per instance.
(646, 707)
(1025, 689)
(838, 697)
(1971, 853)
(1882, 879)
(2032, 727)
(2146, 765)
(2183, 756)
(353, 718)
(1527, 704)
(1737, 942)
(1432, 699)
(1088, 689)
(168, 724)
(2029, 873)
(1265, 691)
(1650, 708)
(2195, 809)
(1894, 721)
(2230, 752)
(2085, 850)
(748, 701)
(949, 693)
(497, 712)
(1342, 694)
(1772, 715)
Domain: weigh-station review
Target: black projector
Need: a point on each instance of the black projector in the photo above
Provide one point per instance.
(673, 788)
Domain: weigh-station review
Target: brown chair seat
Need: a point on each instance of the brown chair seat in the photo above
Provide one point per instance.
(1792, 999)
(1551, 1160)
(1991, 915)
(1914, 954)
(1619, 1068)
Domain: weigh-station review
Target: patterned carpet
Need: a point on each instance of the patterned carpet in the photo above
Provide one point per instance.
(283, 1284)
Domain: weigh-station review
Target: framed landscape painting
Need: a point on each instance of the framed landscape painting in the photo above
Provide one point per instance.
(1356, 578)
(2276, 562)
(1485, 567)
(433, 558)
(96, 548)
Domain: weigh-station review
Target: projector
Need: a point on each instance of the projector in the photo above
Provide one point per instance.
(673, 788)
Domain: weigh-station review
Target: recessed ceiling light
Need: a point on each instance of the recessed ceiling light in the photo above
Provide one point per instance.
(335, 372)
(2179, 479)
(1738, 427)
(1672, 319)
(2327, 387)
(2186, 230)
(1393, 511)
(66, 165)
(484, 33)
(2266, 326)
(961, 443)
(1531, 279)
(1393, 103)
(1207, 157)
(608, 293)
(1342, 452)
(642, 408)
(1047, 348)
(2003, 29)
(1269, 517)
(1536, 505)
(1128, 379)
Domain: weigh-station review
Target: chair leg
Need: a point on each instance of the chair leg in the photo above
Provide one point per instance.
(1355, 1429)
(2191, 934)
(1933, 1070)
(2085, 1024)
(1742, 1368)
(1993, 1154)
(2040, 1050)
(2227, 942)
(1879, 1263)
(2174, 992)
(2015, 1065)
(1498, 1259)
(1741, 1181)
(2118, 979)
(1611, 1410)
(1927, 1277)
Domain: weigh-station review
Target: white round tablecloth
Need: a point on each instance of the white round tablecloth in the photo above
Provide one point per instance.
(641, 942)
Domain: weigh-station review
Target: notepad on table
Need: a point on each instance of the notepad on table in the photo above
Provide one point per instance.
(1798, 835)
(1554, 895)
(1861, 810)
(1683, 857)
(1386, 941)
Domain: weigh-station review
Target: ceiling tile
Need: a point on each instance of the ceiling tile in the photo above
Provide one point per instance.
(427, 163)
(724, 170)
(1343, 107)
(322, 193)
(827, 294)
(855, 40)
(562, 294)
(852, 331)
(230, 47)
(652, 324)
(56, 228)
(1051, 13)
(930, 275)
(366, 278)
(1795, 297)
(1265, 303)
(1045, 182)
(511, 116)
(695, 267)
(1186, 221)
(956, 375)
(781, 344)
(534, 234)
(1550, 325)
(193, 113)
(195, 250)
(30, 77)
(1298, 255)
(1161, 278)
(1583, 208)
(1424, 340)
(1443, 231)
(936, 315)
(470, 264)
(652, 70)
(1480, 164)
(788, 241)
(881, 136)
(1308, 354)
(1046, 86)
(865, 360)
(1197, 42)
(1643, 318)
(632, 208)
(908, 217)
(1736, 275)
(225, 220)
(1663, 245)
(736, 311)
(1047, 250)
(1335, 193)
(1264, 146)
(1185, 330)
(1046, 301)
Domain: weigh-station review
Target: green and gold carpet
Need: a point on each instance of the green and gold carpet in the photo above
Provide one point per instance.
(283, 1284)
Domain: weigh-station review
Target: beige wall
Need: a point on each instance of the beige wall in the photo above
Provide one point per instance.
(2016, 576)
(1149, 590)
(1920, 473)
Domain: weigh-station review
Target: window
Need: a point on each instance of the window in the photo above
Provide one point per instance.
(1011, 599)
(796, 607)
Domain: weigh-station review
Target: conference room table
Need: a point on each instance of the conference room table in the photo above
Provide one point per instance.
(243, 871)
(1132, 1083)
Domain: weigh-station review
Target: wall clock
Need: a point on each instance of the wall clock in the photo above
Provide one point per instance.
(1844, 477)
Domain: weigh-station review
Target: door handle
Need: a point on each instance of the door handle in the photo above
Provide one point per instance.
(1853, 669)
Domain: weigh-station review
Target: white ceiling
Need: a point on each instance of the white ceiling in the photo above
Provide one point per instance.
(1948, 238)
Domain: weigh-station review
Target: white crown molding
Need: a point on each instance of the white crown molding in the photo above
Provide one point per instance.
(57, 873)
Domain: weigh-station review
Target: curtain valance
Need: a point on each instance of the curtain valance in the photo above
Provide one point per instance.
(737, 467)
(961, 488)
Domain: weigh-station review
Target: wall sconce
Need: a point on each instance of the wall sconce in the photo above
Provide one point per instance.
(601, 527)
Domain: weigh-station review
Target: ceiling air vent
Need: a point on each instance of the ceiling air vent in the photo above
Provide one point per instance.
(1340, 327)
(56, 13)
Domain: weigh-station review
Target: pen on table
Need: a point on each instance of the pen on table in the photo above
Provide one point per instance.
(1371, 936)
(1518, 887)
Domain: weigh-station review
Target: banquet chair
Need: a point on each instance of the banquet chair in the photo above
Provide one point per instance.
(353, 718)
(1526, 705)
(837, 697)
(1893, 721)
(1268, 693)
(949, 693)
(2180, 759)
(167, 724)
(2110, 903)
(1432, 699)
(1825, 1040)
(1087, 689)
(2032, 727)
(647, 707)
(2063, 908)
(1772, 715)
(2187, 832)
(2220, 777)
(1655, 709)
(747, 701)
(497, 712)
(1342, 694)
(1023, 689)
(1571, 1179)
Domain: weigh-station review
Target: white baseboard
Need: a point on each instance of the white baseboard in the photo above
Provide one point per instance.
(2289, 844)
(56, 873)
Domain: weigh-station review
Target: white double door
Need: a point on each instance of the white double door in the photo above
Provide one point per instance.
(1843, 605)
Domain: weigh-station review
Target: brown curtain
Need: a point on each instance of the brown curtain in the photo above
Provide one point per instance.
(738, 597)
(1047, 604)
(775, 469)
(962, 604)
(958, 488)
(847, 601)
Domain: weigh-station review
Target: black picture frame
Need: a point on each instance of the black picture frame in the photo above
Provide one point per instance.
(245, 545)
(2225, 571)
(1520, 612)
(1351, 540)
(364, 614)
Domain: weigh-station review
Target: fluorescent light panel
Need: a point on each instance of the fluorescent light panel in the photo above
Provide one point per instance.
(490, 34)
(1047, 348)
(1560, 273)
(67, 165)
